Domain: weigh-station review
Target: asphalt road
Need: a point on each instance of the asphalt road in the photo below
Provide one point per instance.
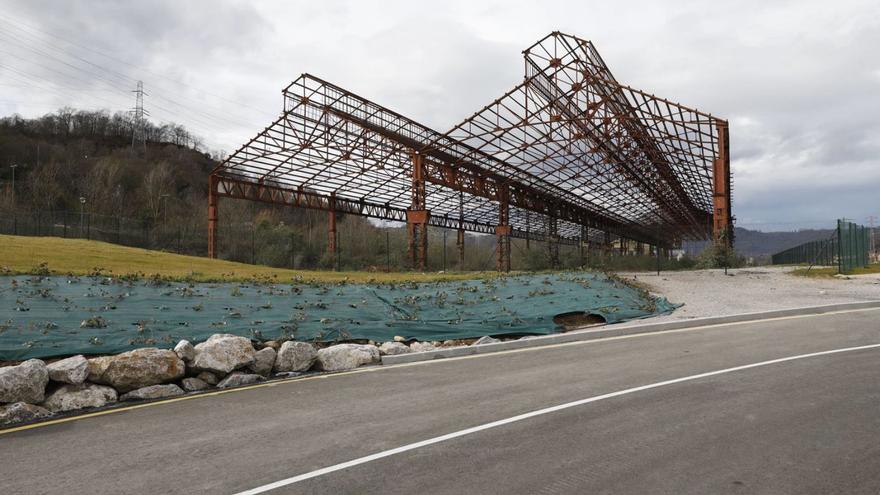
(808, 425)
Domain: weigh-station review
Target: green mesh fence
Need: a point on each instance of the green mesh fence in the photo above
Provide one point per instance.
(853, 246)
(847, 249)
(53, 316)
(821, 252)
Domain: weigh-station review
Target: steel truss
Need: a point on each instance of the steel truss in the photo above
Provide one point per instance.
(568, 156)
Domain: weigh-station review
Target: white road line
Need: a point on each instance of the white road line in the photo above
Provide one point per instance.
(539, 412)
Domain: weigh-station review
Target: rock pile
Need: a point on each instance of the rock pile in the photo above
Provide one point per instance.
(34, 390)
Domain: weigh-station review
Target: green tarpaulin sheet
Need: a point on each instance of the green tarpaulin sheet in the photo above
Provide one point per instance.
(55, 316)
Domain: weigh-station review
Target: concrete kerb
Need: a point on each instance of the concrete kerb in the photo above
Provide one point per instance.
(627, 328)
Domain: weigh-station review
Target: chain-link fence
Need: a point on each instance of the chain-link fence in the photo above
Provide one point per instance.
(822, 252)
(183, 239)
(848, 249)
(360, 244)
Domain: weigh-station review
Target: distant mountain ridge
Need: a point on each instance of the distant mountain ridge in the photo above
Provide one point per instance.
(757, 243)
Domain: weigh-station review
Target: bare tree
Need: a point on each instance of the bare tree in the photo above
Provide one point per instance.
(157, 182)
(100, 184)
(44, 186)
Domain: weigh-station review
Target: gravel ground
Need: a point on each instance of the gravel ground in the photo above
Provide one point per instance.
(747, 290)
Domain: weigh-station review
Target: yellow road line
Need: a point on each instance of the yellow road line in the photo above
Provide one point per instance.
(403, 365)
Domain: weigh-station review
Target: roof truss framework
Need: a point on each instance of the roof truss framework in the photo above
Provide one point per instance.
(569, 146)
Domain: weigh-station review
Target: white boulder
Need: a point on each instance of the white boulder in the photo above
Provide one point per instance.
(153, 392)
(485, 339)
(185, 350)
(25, 382)
(347, 356)
(295, 356)
(264, 360)
(72, 397)
(71, 370)
(223, 353)
(20, 412)
(422, 346)
(208, 377)
(237, 379)
(138, 368)
(393, 348)
(193, 384)
(97, 367)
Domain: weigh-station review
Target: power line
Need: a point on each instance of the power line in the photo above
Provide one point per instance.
(125, 78)
(21, 25)
(170, 113)
(206, 122)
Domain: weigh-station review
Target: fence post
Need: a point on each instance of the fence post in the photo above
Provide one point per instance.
(291, 250)
(839, 247)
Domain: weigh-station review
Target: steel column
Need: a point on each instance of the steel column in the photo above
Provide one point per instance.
(722, 219)
(417, 216)
(502, 231)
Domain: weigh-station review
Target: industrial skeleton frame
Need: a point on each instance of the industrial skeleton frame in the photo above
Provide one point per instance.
(568, 156)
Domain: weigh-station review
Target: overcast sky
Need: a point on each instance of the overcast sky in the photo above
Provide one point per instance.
(799, 81)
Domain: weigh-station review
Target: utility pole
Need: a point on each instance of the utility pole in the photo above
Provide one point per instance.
(871, 220)
(139, 130)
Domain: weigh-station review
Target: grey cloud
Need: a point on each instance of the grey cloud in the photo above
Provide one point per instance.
(799, 81)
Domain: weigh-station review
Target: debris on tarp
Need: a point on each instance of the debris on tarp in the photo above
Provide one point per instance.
(101, 315)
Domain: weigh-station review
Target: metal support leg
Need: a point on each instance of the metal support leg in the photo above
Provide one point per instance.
(722, 218)
(417, 217)
(502, 232)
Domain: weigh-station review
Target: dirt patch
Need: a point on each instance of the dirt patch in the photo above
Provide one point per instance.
(578, 319)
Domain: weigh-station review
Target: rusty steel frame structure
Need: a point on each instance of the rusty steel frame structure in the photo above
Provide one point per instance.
(568, 156)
